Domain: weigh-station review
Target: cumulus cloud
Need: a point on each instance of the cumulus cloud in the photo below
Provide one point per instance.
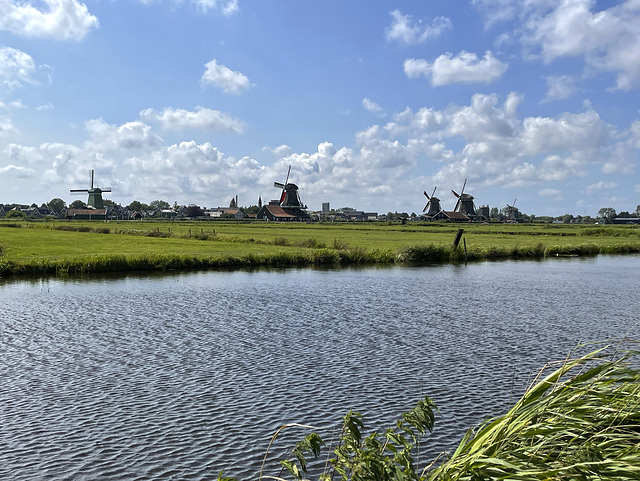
(59, 20)
(405, 29)
(496, 11)
(226, 7)
(465, 67)
(550, 192)
(224, 78)
(201, 118)
(6, 126)
(606, 39)
(16, 68)
(371, 106)
(560, 87)
(279, 151)
(130, 135)
(17, 171)
(600, 186)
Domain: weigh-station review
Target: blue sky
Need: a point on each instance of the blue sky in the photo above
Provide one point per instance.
(371, 102)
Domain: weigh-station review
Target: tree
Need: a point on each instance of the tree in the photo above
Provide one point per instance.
(136, 205)
(56, 204)
(194, 211)
(15, 214)
(607, 214)
(77, 204)
(494, 213)
(252, 209)
(160, 205)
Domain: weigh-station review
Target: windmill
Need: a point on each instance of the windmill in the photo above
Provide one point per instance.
(465, 203)
(289, 198)
(433, 204)
(95, 194)
(512, 211)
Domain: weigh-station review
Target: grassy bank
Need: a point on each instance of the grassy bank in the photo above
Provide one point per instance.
(580, 421)
(62, 247)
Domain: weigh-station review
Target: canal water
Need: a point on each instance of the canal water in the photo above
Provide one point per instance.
(180, 376)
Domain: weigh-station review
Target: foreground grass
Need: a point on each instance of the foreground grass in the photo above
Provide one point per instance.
(83, 247)
(581, 421)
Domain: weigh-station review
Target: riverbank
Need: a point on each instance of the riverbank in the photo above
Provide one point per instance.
(63, 248)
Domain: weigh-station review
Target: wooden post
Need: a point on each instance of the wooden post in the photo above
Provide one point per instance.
(464, 242)
(458, 237)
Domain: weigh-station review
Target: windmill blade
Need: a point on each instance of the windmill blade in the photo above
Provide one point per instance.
(79, 191)
(426, 206)
(426, 195)
(92, 174)
(278, 185)
(288, 172)
(457, 205)
(463, 186)
(434, 191)
(455, 193)
(106, 189)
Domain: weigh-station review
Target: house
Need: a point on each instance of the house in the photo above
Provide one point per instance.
(276, 213)
(626, 220)
(451, 216)
(87, 214)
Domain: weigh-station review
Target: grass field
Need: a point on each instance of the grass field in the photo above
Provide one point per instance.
(93, 246)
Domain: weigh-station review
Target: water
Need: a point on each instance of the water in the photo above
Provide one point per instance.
(179, 376)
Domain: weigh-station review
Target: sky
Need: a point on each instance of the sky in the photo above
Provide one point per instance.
(371, 102)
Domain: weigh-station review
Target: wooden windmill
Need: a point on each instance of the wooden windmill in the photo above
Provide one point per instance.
(465, 204)
(289, 198)
(512, 211)
(433, 204)
(95, 194)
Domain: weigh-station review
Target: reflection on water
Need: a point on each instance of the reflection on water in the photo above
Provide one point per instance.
(179, 376)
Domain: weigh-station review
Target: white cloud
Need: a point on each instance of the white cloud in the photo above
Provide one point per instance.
(404, 29)
(571, 132)
(463, 68)
(226, 7)
(279, 151)
(561, 87)
(200, 118)
(17, 171)
(61, 20)
(549, 192)
(6, 126)
(371, 106)
(224, 78)
(496, 11)
(599, 186)
(131, 135)
(16, 68)
(606, 39)
(44, 107)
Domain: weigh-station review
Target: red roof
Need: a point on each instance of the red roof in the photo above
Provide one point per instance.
(278, 211)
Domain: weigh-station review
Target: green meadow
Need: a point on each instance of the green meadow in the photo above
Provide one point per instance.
(63, 247)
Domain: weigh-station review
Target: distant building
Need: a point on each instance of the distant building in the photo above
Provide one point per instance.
(276, 213)
(326, 207)
(87, 214)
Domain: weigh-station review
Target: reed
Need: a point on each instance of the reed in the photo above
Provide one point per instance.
(581, 421)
